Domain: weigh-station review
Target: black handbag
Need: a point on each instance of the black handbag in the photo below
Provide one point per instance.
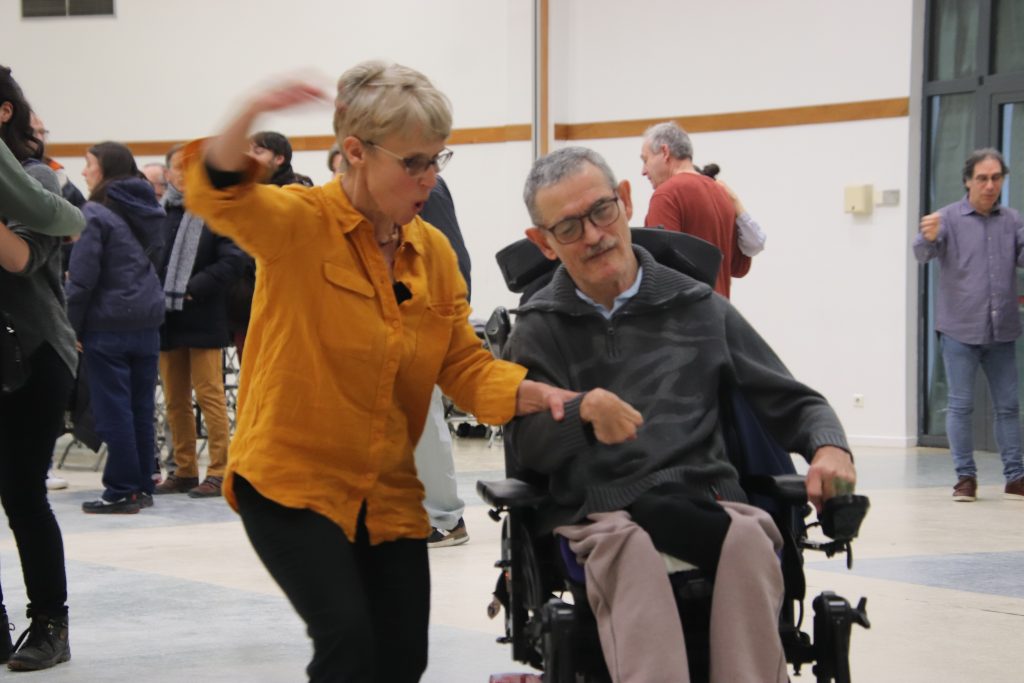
(14, 370)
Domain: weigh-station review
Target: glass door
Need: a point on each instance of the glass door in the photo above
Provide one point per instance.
(1008, 112)
(973, 98)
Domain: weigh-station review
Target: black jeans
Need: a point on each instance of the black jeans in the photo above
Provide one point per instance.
(31, 419)
(366, 607)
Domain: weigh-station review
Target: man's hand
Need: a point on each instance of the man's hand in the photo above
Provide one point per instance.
(831, 474)
(930, 227)
(534, 397)
(614, 420)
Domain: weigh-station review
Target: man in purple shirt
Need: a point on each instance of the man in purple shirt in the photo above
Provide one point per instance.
(979, 245)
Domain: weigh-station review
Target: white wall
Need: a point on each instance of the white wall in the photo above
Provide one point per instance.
(832, 293)
(174, 70)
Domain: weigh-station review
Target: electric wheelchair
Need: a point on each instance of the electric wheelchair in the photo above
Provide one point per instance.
(538, 572)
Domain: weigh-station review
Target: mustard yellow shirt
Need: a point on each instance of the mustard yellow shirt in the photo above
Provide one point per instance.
(337, 376)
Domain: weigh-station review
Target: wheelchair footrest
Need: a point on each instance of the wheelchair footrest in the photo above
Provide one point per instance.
(833, 620)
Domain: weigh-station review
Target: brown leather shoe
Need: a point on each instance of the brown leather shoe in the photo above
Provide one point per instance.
(1014, 490)
(210, 488)
(176, 484)
(966, 490)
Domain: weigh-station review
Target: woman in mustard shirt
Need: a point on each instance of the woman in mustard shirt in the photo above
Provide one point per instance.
(359, 310)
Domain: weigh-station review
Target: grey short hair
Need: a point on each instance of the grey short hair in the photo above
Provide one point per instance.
(980, 155)
(556, 167)
(672, 136)
(376, 99)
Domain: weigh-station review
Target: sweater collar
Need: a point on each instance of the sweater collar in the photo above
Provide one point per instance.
(661, 287)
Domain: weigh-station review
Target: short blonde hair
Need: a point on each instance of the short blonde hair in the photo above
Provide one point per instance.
(377, 98)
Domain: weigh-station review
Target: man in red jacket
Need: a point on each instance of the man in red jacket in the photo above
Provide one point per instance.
(685, 200)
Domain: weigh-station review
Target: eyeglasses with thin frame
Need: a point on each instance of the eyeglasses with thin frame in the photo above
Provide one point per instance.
(418, 164)
(602, 214)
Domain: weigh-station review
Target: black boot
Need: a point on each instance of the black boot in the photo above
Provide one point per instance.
(43, 645)
(5, 636)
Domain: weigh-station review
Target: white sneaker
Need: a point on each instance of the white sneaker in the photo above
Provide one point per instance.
(55, 483)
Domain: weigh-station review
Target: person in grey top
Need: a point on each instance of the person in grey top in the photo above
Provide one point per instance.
(32, 414)
(25, 200)
(979, 245)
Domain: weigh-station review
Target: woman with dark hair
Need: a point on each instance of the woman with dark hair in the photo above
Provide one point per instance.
(116, 306)
(32, 406)
(17, 131)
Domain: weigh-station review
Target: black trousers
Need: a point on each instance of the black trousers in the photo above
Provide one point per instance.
(31, 419)
(366, 607)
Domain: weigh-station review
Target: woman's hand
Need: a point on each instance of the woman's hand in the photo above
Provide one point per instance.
(229, 150)
(534, 397)
(286, 96)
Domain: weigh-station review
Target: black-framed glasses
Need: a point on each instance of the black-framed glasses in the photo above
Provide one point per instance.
(418, 164)
(601, 215)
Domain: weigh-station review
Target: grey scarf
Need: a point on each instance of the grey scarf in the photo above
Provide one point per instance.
(183, 253)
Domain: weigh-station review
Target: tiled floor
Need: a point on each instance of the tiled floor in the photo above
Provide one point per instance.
(176, 594)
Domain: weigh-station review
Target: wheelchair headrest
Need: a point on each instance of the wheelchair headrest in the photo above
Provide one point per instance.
(522, 263)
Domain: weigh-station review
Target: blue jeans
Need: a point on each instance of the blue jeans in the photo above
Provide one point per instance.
(999, 362)
(435, 466)
(122, 370)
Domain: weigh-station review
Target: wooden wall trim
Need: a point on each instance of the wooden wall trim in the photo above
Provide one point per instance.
(472, 136)
(306, 143)
(744, 120)
(765, 118)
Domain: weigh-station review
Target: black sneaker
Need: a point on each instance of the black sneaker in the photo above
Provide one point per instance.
(145, 500)
(122, 506)
(439, 538)
(43, 645)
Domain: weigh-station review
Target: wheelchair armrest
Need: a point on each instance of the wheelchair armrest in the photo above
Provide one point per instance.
(510, 493)
(840, 517)
(784, 488)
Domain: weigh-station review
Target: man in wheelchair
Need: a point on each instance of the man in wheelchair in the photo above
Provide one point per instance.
(637, 470)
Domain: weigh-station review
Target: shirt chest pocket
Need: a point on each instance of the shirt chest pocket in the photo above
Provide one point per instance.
(433, 335)
(350, 320)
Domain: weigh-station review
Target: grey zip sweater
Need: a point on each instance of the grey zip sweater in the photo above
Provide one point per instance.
(669, 352)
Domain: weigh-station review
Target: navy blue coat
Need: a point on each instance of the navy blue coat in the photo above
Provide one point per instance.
(439, 211)
(112, 284)
(203, 321)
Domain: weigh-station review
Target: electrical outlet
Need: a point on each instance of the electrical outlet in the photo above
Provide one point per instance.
(858, 400)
